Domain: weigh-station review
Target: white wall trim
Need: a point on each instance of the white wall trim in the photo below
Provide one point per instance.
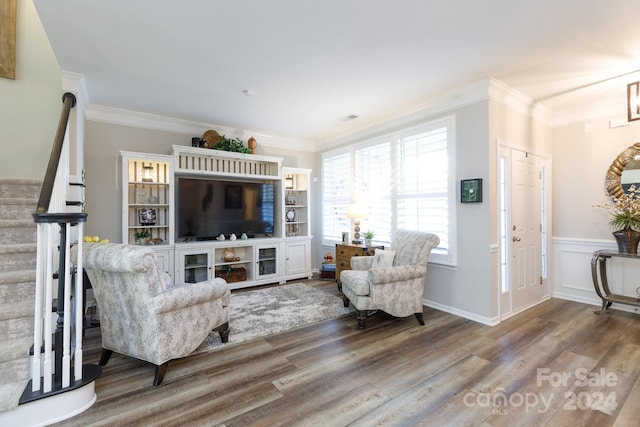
(462, 313)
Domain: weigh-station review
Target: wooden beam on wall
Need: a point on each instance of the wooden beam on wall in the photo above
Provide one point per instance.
(8, 39)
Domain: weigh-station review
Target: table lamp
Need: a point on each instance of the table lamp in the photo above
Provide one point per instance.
(356, 212)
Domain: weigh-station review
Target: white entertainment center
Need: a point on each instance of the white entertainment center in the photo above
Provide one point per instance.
(149, 207)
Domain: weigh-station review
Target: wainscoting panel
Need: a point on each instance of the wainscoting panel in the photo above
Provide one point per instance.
(572, 272)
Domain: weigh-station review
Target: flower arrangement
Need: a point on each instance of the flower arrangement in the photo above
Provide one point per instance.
(625, 210)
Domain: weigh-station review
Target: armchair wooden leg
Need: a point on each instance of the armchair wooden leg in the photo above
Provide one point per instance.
(362, 318)
(345, 301)
(223, 330)
(160, 371)
(420, 318)
(105, 356)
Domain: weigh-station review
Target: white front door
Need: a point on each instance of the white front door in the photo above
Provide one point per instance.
(523, 234)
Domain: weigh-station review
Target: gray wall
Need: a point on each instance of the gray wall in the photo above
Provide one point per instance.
(103, 143)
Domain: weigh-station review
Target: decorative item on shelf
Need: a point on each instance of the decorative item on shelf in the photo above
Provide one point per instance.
(292, 230)
(147, 172)
(291, 199)
(368, 237)
(152, 200)
(147, 216)
(210, 139)
(229, 255)
(291, 215)
(288, 182)
(232, 237)
(625, 217)
(232, 144)
(244, 236)
(220, 238)
(356, 212)
(252, 144)
(142, 194)
(198, 142)
(231, 274)
(142, 236)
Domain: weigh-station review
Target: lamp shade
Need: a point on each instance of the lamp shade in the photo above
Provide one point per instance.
(356, 211)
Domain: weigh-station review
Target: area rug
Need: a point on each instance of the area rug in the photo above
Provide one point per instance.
(268, 311)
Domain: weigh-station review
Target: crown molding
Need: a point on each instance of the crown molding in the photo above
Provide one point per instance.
(439, 105)
(118, 116)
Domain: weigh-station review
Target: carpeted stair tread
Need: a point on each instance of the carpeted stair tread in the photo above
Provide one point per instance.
(17, 231)
(10, 223)
(17, 276)
(20, 188)
(17, 348)
(14, 365)
(15, 310)
(15, 248)
(19, 201)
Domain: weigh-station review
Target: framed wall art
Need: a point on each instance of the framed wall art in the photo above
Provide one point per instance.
(147, 216)
(471, 190)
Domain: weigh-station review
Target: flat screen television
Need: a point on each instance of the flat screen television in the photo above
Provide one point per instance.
(206, 208)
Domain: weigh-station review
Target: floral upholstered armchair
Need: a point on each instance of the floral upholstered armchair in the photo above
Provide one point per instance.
(393, 280)
(142, 313)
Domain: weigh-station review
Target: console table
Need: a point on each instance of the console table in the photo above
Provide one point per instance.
(601, 285)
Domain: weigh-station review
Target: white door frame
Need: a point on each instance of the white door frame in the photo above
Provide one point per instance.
(504, 305)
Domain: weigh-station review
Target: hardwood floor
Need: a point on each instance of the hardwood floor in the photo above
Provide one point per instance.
(548, 366)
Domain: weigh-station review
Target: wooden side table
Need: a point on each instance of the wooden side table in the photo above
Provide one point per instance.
(344, 252)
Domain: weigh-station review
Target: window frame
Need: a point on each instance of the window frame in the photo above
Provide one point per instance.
(446, 257)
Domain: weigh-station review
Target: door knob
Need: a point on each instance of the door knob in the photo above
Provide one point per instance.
(515, 239)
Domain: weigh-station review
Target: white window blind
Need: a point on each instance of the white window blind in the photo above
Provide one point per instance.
(405, 181)
(336, 195)
(373, 181)
(423, 184)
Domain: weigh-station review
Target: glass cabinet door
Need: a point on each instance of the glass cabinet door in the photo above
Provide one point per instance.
(196, 267)
(267, 261)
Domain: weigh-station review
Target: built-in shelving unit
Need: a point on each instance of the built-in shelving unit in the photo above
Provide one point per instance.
(296, 201)
(148, 204)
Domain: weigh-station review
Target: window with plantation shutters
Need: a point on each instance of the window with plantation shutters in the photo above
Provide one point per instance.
(336, 194)
(423, 189)
(405, 180)
(372, 179)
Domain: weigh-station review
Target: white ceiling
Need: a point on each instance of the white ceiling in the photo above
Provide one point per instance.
(311, 63)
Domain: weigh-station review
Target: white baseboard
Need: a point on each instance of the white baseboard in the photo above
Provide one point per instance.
(462, 313)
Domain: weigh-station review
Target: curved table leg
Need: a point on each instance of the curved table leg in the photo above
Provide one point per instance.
(598, 261)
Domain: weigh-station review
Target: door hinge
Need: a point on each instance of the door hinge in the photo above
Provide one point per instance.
(541, 280)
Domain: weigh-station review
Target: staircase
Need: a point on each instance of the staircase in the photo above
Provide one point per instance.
(18, 199)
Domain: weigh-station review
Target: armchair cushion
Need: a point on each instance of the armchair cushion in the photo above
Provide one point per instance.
(360, 262)
(383, 259)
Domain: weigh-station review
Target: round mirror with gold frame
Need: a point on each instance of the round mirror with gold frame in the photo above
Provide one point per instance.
(623, 171)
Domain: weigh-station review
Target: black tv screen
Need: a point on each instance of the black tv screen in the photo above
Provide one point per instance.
(207, 208)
